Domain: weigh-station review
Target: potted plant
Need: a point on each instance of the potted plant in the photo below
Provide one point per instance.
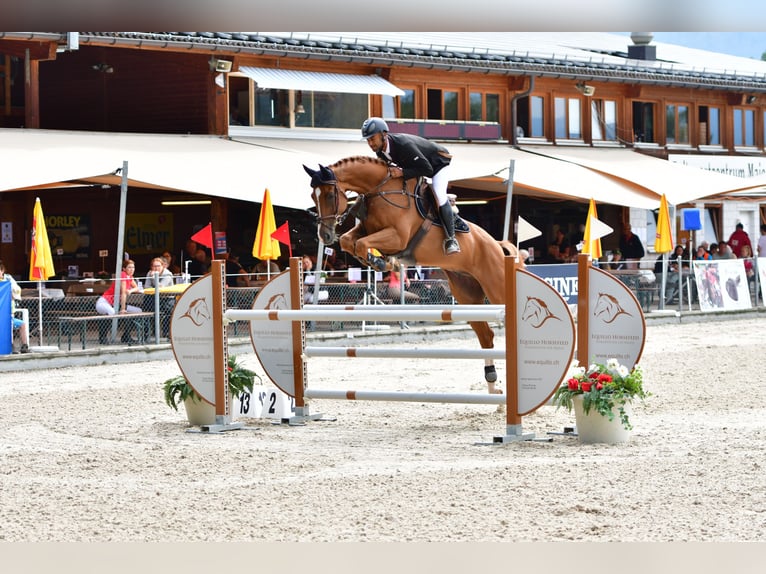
(178, 390)
(601, 396)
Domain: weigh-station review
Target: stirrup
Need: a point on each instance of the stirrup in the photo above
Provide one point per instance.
(451, 246)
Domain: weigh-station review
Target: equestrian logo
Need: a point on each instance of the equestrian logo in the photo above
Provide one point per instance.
(278, 301)
(198, 311)
(608, 308)
(536, 312)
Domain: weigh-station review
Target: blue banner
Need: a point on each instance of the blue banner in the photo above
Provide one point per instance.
(562, 277)
(6, 323)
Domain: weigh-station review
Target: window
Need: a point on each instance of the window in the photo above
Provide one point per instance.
(643, 122)
(484, 107)
(709, 125)
(530, 116)
(603, 120)
(407, 105)
(442, 105)
(677, 124)
(321, 109)
(744, 127)
(567, 118)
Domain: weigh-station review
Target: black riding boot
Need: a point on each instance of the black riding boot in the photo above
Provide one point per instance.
(448, 220)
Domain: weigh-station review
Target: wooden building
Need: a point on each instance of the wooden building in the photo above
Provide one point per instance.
(588, 100)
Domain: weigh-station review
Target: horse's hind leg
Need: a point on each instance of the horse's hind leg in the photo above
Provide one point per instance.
(467, 291)
(486, 339)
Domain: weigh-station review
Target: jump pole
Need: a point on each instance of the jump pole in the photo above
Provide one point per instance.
(557, 348)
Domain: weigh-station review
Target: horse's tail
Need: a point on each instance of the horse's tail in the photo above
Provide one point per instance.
(511, 250)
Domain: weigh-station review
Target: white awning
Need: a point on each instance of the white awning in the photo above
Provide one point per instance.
(319, 81)
(206, 165)
(485, 166)
(679, 183)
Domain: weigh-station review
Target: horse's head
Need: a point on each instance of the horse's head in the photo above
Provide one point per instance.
(331, 202)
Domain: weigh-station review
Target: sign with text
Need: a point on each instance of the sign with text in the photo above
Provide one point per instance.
(148, 233)
(69, 235)
(191, 336)
(616, 326)
(562, 277)
(545, 340)
(273, 340)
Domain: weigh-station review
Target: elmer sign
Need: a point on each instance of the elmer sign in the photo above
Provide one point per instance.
(148, 232)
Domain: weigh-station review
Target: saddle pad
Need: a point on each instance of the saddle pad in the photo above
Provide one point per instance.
(424, 202)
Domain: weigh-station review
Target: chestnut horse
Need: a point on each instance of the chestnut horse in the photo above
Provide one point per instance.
(390, 222)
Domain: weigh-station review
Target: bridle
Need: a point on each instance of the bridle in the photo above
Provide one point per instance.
(340, 218)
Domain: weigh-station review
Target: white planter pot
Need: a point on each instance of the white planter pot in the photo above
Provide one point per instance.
(199, 413)
(595, 428)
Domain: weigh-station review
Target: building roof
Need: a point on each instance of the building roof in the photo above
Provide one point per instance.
(595, 56)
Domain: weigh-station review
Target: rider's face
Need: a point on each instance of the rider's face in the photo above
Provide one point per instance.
(376, 142)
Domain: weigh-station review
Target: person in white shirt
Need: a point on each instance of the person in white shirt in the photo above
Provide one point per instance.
(762, 241)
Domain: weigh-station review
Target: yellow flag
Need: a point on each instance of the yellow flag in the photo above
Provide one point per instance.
(593, 248)
(40, 258)
(663, 240)
(265, 246)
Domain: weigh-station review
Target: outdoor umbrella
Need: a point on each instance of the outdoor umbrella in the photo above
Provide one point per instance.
(265, 247)
(40, 259)
(663, 242)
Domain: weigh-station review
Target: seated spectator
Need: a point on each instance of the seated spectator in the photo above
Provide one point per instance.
(267, 267)
(165, 277)
(702, 254)
(169, 264)
(15, 321)
(724, 251)
(236, 275)
(105, 303)
(395, 286)
(616, 263)
(747, 258)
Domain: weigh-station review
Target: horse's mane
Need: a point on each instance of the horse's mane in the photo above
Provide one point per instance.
(359, 159)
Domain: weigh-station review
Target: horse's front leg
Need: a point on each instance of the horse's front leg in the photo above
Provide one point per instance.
(349, 239)
(387, 240)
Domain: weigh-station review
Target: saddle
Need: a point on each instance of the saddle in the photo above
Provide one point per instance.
(427, 208)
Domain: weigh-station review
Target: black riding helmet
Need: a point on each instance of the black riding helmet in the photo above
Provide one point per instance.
(372, 126)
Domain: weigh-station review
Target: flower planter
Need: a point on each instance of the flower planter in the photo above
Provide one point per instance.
(199, 412)
(595, 428)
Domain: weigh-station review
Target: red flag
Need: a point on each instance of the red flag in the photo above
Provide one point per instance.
(204, 236)
(282, 234)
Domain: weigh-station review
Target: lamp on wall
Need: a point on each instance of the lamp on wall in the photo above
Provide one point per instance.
(105, 68)
(751, 99)
(299, 109)
(585, 89)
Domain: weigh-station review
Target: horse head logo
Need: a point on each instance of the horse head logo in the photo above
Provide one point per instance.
(608, 308)
(198, 311)
(536, 312)
(278, 301)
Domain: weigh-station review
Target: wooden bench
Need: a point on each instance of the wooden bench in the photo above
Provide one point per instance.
(69, 323)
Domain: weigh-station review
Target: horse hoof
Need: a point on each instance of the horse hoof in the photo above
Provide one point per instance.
(490, 374)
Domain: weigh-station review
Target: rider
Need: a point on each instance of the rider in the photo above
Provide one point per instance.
(415, 156)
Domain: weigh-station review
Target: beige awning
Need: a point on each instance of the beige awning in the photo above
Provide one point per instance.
(209, 165)
(679, 183)
(279, 78)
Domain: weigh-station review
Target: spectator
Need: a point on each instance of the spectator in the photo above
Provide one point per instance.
(724, 251)
(169, 264)
(702, 254)
(738, 240)
(165, 278)
(268, 267)
(559, 250)
(762, 241)
(616, 263)
(713, 251)
(631, 247)
(190, 249)
(236, 275)
(198, 266)
(16, 323)
(747, 257)
(395, 286)
(672, 282)
(105, 303)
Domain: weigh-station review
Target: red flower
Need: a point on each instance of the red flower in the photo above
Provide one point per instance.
(593, 375)
(230, 369)
(604, 378)
(599, 386)
(573, 384)
(586, 386)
